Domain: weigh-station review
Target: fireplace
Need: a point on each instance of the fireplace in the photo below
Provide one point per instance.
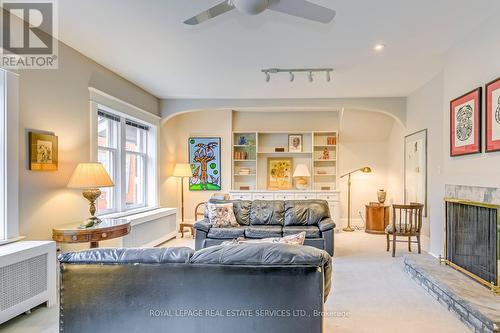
(472, 240)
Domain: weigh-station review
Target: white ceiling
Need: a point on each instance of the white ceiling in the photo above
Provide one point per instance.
(146, 42)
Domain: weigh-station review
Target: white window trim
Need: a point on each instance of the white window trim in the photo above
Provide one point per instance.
(10, 147)
(101, 100)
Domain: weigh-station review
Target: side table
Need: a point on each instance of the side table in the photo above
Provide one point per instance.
(107, 229)
(377, 218)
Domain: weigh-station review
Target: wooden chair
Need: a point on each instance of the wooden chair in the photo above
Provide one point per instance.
(406, 222)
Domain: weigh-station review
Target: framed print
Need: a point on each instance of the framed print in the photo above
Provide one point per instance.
(465, 124)
(43, 152)
(415, 174)
(204, 158)
(493, 116)
(279, 173)
(295, 143)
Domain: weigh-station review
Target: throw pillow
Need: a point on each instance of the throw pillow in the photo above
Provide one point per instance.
(296, 239)
(221, 215)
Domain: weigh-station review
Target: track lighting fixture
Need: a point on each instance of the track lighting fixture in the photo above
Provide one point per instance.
(310, 73)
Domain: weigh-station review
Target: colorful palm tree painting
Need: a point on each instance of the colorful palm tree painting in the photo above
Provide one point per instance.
(204, 158)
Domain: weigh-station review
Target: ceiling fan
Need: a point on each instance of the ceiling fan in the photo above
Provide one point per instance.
(299, 8)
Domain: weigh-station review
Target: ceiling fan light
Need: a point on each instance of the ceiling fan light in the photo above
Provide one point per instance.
(251, 7)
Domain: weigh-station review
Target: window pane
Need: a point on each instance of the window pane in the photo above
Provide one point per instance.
(107, 130)
(105, 201)
(136, 139)
(135, 179)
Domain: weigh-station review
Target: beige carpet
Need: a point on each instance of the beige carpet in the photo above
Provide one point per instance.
(371, 293)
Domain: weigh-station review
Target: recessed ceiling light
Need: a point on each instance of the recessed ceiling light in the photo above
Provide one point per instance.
(379, 47)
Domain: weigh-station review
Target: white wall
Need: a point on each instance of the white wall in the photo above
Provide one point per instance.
(425, 112)
(174, 148)
(470, 63)
(365, 140)
(58, 101)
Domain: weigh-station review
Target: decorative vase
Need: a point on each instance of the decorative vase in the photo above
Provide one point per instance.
(381, 195)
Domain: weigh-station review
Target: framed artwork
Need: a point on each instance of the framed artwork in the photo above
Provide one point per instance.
(43, 152)
(279, 173)
(295, 143)
(415, 176)
(204, 158)
(493, 116)
(465, 124)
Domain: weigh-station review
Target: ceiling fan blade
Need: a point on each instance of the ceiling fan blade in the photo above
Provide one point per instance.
(216, 10)
(304, 9)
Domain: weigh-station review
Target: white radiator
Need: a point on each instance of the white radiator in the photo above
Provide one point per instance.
(27, 277)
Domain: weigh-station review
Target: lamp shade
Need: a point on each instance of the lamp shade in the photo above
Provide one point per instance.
(301, 171)
(90, 175)
(182, 170)
(366, 169)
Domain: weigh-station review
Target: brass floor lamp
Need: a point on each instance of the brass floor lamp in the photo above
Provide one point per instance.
(365, 170)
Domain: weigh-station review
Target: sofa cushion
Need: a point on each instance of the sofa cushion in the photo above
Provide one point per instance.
(305, 212)
(311, 231)
(241, 209)
(267, 255)
(263, 231)
(226, 233)
(265, 212)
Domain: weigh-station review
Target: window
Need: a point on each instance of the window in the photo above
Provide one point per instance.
(126, 149)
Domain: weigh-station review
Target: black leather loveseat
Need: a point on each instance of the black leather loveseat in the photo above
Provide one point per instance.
(264, 219)
(242, 288)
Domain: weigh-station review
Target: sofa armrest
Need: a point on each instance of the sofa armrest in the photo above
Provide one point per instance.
(203, 225)
(326, 224)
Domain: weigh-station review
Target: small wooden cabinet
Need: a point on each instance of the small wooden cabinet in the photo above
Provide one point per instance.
(377, 218)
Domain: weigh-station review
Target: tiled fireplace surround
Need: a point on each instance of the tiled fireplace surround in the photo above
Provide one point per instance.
(489, 195)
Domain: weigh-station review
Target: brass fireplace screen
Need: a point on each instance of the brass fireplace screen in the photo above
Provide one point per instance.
(472, 240)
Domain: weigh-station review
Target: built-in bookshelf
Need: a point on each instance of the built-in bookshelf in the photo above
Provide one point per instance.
(251, 151)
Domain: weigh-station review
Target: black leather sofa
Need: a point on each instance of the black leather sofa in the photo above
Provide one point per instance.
(237, 288)
(263, 219)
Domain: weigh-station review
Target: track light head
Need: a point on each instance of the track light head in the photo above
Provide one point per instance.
(268, 76)
(328, 76)
(292, 77)
(310, 76)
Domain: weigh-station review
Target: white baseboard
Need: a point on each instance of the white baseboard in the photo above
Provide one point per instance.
(161, 240)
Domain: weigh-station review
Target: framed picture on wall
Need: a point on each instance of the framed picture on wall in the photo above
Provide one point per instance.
(279, 173)
(205, 162)
(43, 152)
(465, 124)
(415, 176)
(493, 116)
(295, 143)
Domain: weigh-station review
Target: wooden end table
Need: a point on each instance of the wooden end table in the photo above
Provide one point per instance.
(107, 229)
(377, 218)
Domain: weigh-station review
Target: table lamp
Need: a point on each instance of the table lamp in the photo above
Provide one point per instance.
(365, 170)
(90, 177)
(182, 170)
(301, 174)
